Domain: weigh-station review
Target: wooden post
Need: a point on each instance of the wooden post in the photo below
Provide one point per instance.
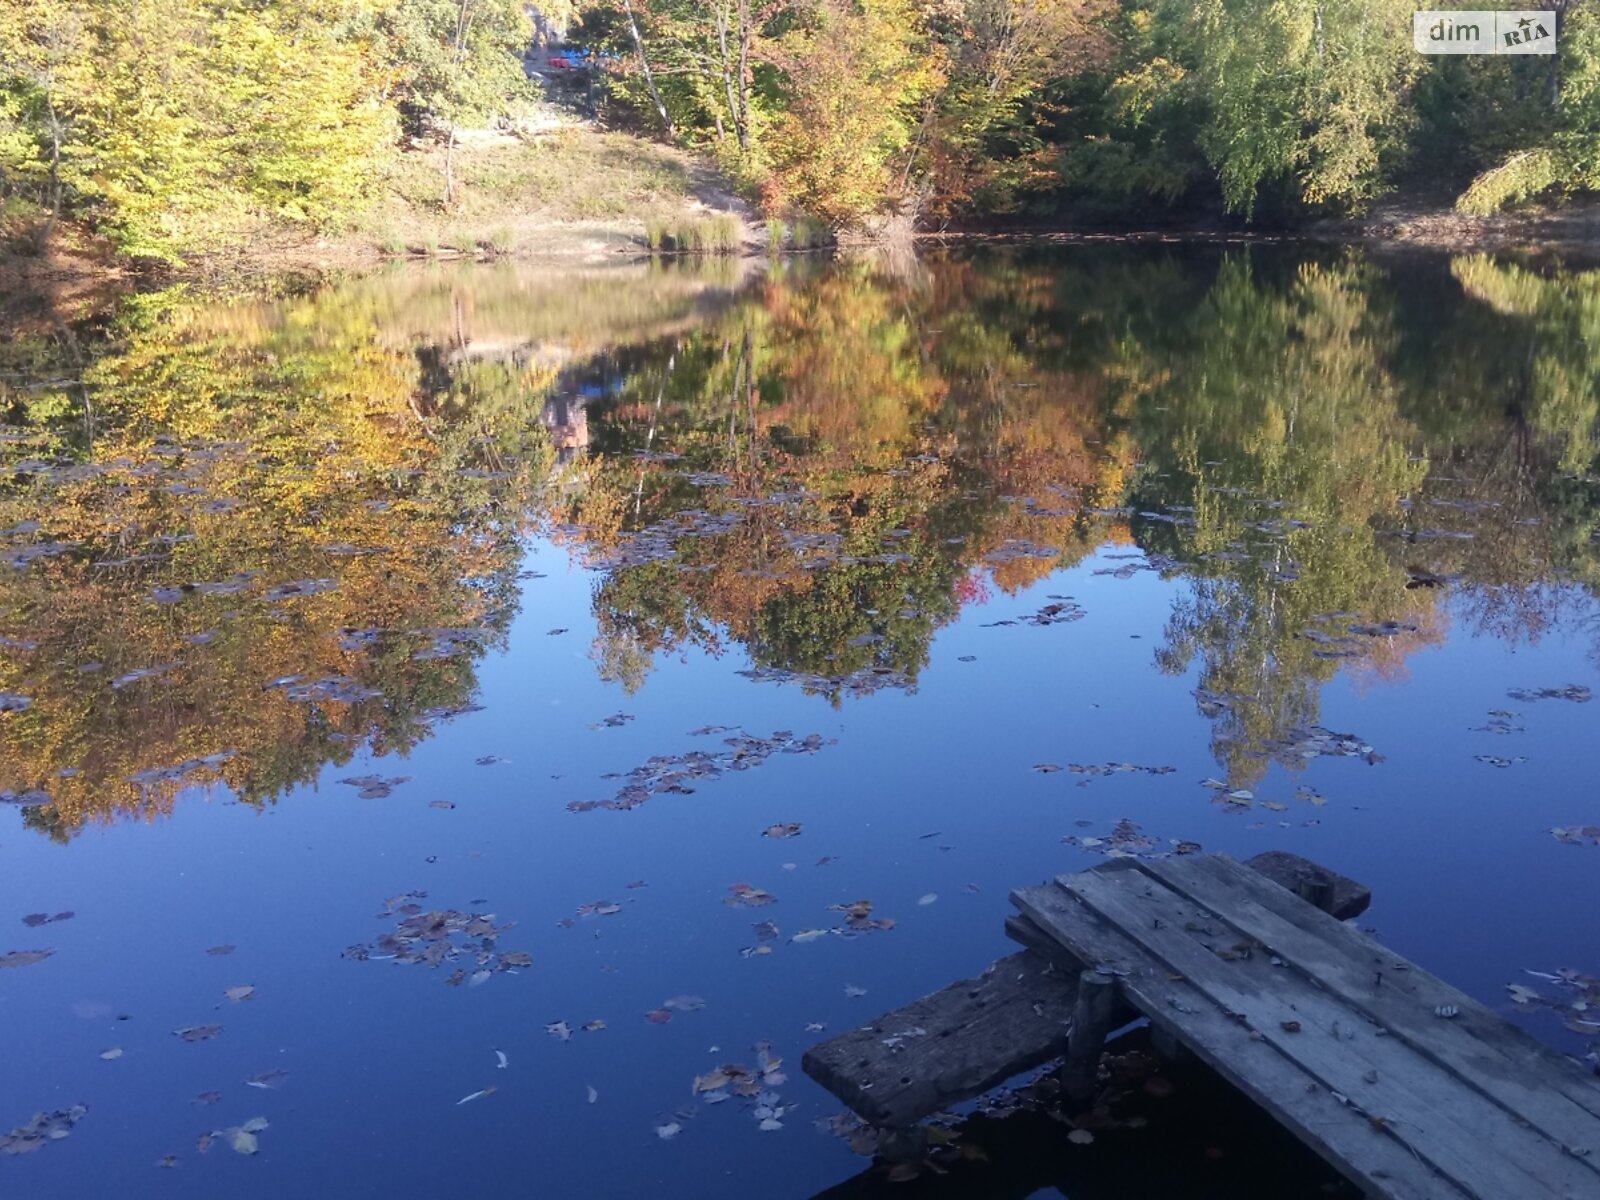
(1091, 1022)
(1316, 889)
(1166, 1044)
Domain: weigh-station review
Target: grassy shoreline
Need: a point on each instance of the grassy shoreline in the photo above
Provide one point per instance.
(573, 195)
(567, 192)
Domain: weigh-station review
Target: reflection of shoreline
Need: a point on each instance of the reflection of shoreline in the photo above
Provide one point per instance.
(822, 471)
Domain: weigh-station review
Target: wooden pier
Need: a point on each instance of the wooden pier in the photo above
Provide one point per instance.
(1405, 1085)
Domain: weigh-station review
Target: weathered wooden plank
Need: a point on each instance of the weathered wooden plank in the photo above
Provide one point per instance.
(1024, 931)
(954, 1044)
(1487, 1052)
(1343, 898)
(1457, 1130)
(1369, 1155)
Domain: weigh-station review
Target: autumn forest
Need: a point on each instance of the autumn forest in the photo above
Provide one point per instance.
(174, 127)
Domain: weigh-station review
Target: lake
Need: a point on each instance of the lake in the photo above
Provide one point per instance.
(467, 730)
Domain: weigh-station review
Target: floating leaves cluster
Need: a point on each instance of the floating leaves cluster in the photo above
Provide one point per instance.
(1572, 996)
(679, 773)
(1128, 840)
(43, 1128)
(434, 937)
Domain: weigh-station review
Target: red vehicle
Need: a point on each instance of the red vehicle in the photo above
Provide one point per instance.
(561, 62)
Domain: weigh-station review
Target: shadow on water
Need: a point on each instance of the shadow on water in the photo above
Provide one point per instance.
(1177, 1130)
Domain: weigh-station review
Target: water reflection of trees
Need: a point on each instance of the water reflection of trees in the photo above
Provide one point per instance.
(821, 471)
(1299, 440)
(291, 442)
(817, 475)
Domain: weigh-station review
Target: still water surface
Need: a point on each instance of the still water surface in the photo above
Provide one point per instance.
(640, 621)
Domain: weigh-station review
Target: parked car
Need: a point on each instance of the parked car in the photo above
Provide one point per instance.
(560, 62)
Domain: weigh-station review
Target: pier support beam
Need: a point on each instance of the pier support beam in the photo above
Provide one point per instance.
(1092, 1015)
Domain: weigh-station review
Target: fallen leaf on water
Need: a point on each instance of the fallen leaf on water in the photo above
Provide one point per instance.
(479, 1095)
(810, 935)
(852, 990)
(670, 1130)
(34, 920)
(930, 898)
(788, 829)
(114, 1053)
(198, 1033)
(658, 1016)
(559, 1030)
(1574, 835)
(594, 1026)
(1572, 691)
(203, 1142)
(712, 1080)
(684, 1003)
(238, 992)
(44, 1127)
(242, 1138)
(441, 803)
(268, 1080)
(170, 1160)
(207, 1098)
(504, 1061)
(1522, 994)
(593, 1095)
(24, 958)
(744, 895)
(221, 950)
(859, 918)
(1081, 1137)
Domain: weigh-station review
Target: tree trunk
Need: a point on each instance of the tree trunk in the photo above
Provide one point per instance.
(726, 62)
(42, 241)
(744, 74)
(449, 167)
(1560, 7)
(465, 15)
(649, 77)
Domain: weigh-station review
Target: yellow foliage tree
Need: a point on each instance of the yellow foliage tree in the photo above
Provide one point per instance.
(859, 76)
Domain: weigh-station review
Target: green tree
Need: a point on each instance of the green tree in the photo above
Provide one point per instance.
(458, 61)
(1558, 146)
(178, 124)
(859, 79)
